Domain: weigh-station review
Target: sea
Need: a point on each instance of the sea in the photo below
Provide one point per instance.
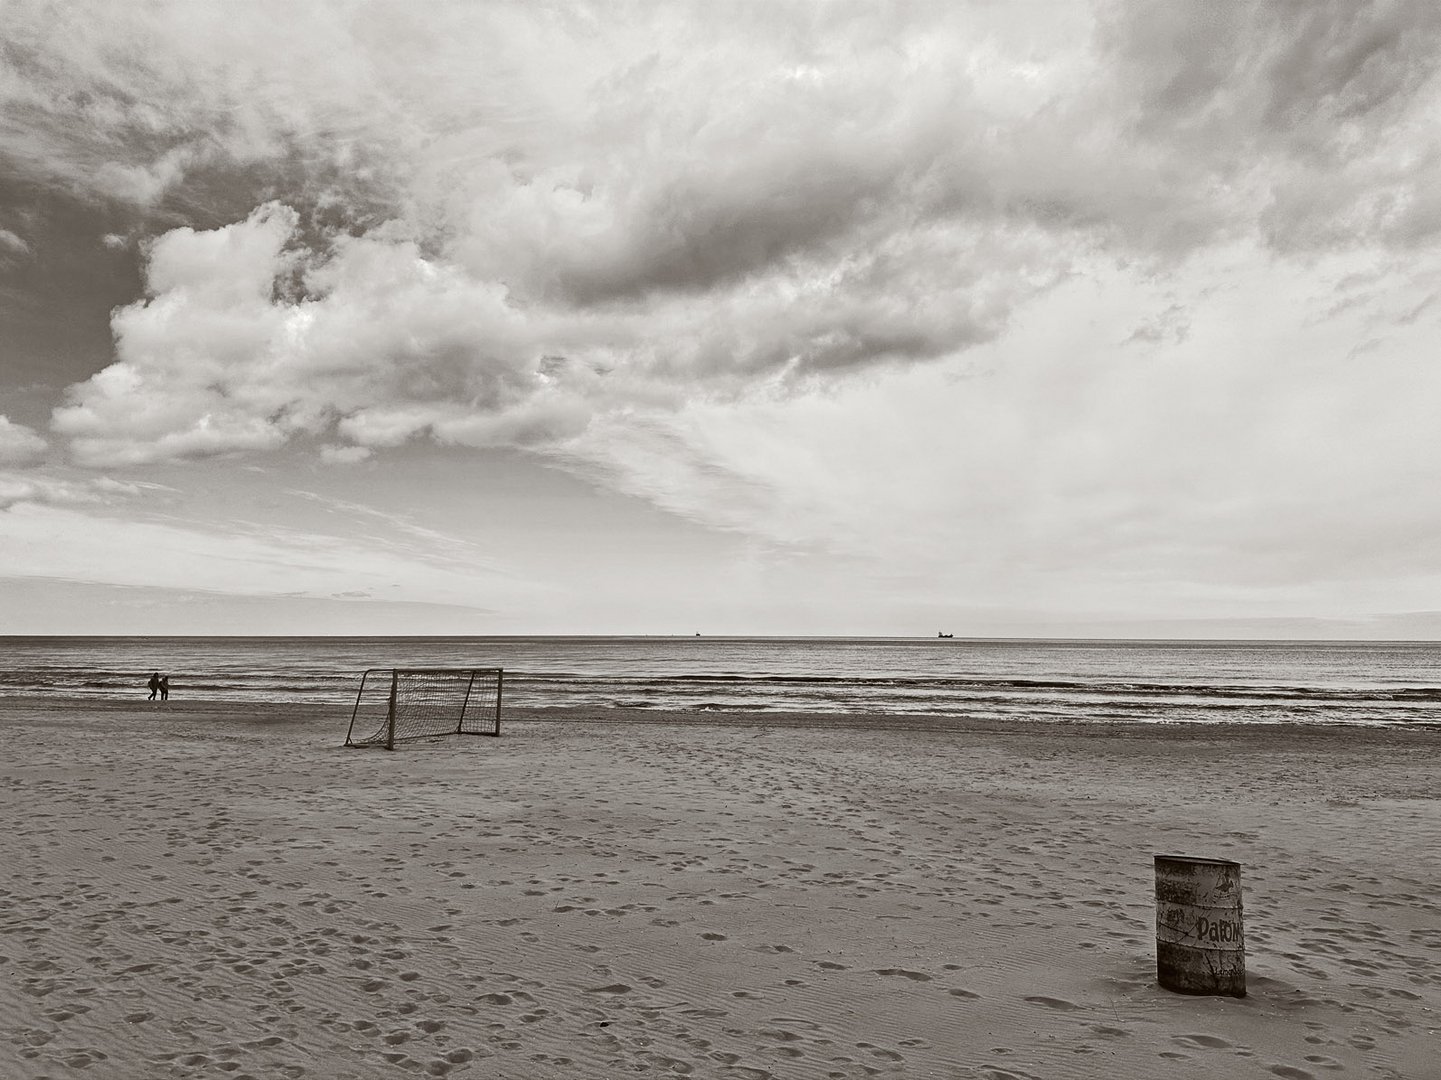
(1223, 682)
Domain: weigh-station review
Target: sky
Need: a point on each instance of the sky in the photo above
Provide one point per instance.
(1035, 318)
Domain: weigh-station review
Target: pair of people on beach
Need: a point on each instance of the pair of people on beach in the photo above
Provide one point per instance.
(161, 684)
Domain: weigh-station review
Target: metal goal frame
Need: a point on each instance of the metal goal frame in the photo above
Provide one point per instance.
(486, 720)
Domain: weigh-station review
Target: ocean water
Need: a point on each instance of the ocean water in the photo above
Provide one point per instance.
(1075, 681)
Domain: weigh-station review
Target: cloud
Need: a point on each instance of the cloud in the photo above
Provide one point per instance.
(12, 245)
(1250, 465)
(250, 339)
(1168, 326)
(128, 107)
(47, 490)
(1306, 122)
(645, 241)
(344, 455)
(380, 345)
(415, 541)
(387, 344)
(19, 445)
(64, 533)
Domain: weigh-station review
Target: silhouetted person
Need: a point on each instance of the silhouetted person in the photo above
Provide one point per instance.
(154, 685)
(165, 688)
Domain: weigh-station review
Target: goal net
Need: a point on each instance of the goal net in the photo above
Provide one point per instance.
(396, 704)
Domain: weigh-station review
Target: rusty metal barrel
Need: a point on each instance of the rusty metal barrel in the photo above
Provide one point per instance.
(1200, 944)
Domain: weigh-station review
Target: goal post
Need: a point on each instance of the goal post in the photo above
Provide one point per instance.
(397, 704)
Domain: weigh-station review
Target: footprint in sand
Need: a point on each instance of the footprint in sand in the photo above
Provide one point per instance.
(1208, 1042)
(880, 1052)
(1059, 1004)
(1290, 1072)
(914, 976)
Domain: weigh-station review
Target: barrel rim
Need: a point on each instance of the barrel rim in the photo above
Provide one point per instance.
(1197, 860)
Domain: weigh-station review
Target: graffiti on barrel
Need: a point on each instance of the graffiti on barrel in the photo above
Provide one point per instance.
(1200, 939)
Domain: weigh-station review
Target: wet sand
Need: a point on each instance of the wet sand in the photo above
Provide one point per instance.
(222, 890)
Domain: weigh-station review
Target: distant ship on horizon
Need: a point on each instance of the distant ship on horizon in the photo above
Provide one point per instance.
(945, 635)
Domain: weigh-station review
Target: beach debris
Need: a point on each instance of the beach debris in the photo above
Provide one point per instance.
(1200, 942)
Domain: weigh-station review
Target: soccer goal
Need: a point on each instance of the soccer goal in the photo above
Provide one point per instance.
(396, 704)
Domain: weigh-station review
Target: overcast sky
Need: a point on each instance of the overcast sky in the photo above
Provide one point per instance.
(1030, 317)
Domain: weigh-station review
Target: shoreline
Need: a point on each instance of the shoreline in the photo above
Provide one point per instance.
(203, 888)
(298, 712)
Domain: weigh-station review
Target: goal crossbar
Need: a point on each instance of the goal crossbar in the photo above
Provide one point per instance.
(397, 704)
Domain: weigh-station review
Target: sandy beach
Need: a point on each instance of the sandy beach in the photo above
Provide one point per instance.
(223, 890)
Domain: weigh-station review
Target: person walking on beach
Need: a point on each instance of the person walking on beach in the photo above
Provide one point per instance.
(154, 685)
(165, 688)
